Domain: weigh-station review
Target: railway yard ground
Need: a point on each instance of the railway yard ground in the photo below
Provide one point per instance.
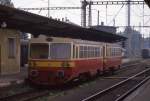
(13, 85)
(14, 79)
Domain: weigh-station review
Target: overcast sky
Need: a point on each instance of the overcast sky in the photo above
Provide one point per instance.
(118, 12)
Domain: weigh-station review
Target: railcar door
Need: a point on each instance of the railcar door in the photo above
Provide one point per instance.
(104, 56)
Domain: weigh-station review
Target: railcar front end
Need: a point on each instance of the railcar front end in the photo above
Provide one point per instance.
(50, 63)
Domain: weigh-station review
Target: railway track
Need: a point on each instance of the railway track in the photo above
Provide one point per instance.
(34, 94)
(122, 89)
(127, 66)
(26, 96)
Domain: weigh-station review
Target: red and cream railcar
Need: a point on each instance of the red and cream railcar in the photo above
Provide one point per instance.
(54, 61)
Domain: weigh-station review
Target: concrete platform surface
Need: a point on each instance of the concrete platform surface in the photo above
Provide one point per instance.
(141, 94)
(8, 80)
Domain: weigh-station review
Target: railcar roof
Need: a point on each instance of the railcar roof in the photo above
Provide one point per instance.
(43, 39)
(36, 25)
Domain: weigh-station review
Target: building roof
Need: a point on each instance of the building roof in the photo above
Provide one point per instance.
(37, 24)
(109, 29)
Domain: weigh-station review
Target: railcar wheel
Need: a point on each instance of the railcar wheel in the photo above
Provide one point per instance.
(84, 76)
(99, 73)
(112, 71)
(119, 67)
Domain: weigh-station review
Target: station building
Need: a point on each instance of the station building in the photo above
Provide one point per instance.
(9, 51)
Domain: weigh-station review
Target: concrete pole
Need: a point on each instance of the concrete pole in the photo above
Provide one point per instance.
(129, 31)
(129, 14)
(83, 13)
(90, 15)
(98, 18)
(149, 40)
(114, 22)
(106, 14)
(48, 9)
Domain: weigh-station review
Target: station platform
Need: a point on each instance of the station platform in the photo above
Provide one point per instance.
(13, 79)
(141, 94)
(19, 78)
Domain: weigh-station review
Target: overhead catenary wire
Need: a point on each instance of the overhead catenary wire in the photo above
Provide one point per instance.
(116, 15)
(147, 22)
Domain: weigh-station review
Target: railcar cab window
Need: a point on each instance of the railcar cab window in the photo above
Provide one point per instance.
(60, 50)
(39, 50)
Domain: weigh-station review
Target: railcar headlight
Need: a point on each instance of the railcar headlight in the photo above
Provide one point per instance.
(65, 64)
(61, 74)
(30, 64)
(34, 64)
(34, 73)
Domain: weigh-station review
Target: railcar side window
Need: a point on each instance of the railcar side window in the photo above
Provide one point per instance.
(60, 51)
(89, 52)
(76, 52)
(109, 51)
(97, 52)
(85, 52)
(81, 52)
(115, 51)
(39, 51)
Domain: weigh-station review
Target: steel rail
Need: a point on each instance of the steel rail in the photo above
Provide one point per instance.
(28, 93)
(25, 96)
(124, 67)
(121, 98)
(95, 96)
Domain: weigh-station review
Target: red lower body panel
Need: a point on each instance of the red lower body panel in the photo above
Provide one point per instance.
(50, 77)
(91, 65)
(60, 75)
(112, 63)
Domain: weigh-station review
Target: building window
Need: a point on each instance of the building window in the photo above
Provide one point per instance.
(11, 48)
